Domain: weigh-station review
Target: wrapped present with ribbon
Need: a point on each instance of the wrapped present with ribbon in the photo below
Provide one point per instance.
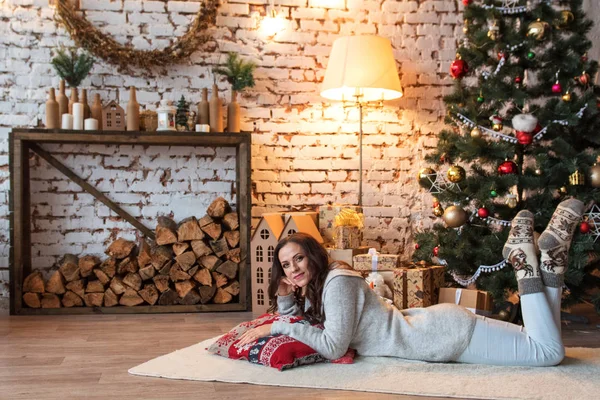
(476, 301)
(374, 261)
(417, 287)
(327, 215)
(346, 255)
(348, 229)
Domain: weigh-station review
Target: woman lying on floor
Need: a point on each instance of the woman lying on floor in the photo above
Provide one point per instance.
(304, 282)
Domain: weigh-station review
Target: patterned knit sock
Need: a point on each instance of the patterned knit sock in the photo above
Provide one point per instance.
(519, 250)
(555, 241)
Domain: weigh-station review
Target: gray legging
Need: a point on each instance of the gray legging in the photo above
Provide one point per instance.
(537, 344)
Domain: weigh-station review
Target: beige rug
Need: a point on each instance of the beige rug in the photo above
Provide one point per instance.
(578, 377)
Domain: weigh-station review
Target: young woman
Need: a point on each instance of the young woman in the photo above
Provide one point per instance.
(303, 282)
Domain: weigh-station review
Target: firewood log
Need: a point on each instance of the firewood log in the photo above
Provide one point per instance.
(192, 271)
(218, 208)
(130, 298)
(120, 248)
(50, 300)
(32, 300)
(128, 264)
(203, 277)
(102, 277)
(149, 294)
(147, 272)
(77, 287)
(161, 282)
(109, 266)
(94, 287)
(70, 299)
(166, 269)
(56, 283)
(234, 255)
(34, 283)
(94, 299)
(117, 286)
(206, 220)
(180, 247)
(186, 260)
(189, 230)
(233, 288)
(231, 221)
(160, 255)
(166, 231)
(144, 256)
(184, 287)
(206, 293)
(177, 274)
(110, 298)
(69, 267)
(232, 237)
(133, 280)
(222, 297)
(200, 248)
(220, 279)
(168, 297)
(191, 298)
(219, 246)
(228, 268)
(87, 264)
(211, 262)
(213, 230)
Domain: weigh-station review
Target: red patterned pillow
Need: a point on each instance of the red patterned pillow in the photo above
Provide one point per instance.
(277, 351)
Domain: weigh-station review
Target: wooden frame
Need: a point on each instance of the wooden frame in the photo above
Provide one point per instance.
(21, 141)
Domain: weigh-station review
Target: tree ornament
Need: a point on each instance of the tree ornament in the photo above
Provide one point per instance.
(563, 190)
(493, 193)
(584, 78)
(507, 167)
(584, 227)
(577, 179)
(584, 58)
(444, 158)
(518, 80)
(557, 88)
(466, 2)
(566, 97)
(501, 55)
(594, 177)
(480, 98)
(466, 26)
(524, 125)
(494, 31)
(496, 122)
(530, 55)
(438, 211)
(456, 174)
(566, 17)
(426, 177)
(458, 68)
(436, 250)
(483, 212)
(475, 132)
(455, 216)
(511, 200)
(537, 29)
(417, 246)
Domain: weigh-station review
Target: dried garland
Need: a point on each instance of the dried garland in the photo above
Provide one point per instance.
(87, 36)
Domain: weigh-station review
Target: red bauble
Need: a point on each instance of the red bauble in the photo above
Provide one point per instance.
(466, 2)
(435, 204)
(417, 246)
(584, 227)
(557, 88)
(525, 138)
(584, 78)
(436, 250)
(483, 212)
(458, 68)
(507, 167)
(518, 80)
(501, 55)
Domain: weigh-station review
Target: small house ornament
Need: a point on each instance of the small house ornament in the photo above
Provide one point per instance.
(166, 116)
(113, 117)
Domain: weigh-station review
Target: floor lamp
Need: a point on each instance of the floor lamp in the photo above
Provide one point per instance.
(361, 69)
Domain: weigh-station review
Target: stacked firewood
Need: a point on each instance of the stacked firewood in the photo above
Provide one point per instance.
(195, 261)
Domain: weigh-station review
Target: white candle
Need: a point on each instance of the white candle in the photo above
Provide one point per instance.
(202, 128)
(78, 116)
(67, 121)
(90, 124)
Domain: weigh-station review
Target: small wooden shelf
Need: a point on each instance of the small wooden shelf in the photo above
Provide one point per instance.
(21, 141)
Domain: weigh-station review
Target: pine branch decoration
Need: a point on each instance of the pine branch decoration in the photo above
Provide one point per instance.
(239, 73)
(72, 66)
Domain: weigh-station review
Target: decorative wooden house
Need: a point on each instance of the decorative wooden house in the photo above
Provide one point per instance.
(302, 223)
(113, 117)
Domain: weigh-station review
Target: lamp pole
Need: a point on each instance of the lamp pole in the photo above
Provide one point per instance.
(360, 152)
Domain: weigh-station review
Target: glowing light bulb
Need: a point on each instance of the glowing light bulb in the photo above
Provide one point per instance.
(272, 23)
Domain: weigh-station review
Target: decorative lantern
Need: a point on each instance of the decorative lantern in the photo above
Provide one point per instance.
(166, 116)
(576, 178)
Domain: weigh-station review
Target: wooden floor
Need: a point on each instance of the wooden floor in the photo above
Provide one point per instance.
(87, 356)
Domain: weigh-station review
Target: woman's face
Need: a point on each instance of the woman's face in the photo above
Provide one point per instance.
(295, 264)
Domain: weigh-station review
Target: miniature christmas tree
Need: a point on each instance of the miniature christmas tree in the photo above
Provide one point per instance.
(525, 64)
(181, 116)
(72, 65)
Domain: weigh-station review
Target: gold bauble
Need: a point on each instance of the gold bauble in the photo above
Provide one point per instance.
(537, 29)
(566, 97)
(497, 127)
(595, 176)
(563, 190)
(511, 201)
(438, 211)
(455, 216)
(426, 177)
(475, 132)
(456, 173)
(566, 17)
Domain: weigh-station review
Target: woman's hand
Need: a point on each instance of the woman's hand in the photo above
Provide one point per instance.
(286, 287)
(254, 334)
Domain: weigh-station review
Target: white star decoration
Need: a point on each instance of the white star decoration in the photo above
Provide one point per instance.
(593, 218)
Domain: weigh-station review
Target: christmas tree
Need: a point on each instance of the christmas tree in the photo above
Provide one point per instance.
(181, 116)
(525, 134)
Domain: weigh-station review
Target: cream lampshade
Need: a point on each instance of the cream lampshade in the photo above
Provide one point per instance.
(361, 69)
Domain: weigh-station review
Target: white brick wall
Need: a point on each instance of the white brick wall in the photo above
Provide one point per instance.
(304, 148)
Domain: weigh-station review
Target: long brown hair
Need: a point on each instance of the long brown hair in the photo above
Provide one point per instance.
(319, 267)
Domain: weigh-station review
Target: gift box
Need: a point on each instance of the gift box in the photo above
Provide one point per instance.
(417, 287)
(476, 301)
(376, 262)
(327, 216)
(347, 237)
(346, 255)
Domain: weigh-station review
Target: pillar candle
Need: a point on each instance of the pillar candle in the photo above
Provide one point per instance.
(90, 124)
(78, 116)
(67, 121)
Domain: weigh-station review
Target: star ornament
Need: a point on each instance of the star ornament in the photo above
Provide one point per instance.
(593, 218)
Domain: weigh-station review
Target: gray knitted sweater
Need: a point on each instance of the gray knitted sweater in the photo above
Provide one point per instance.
(356, 317)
